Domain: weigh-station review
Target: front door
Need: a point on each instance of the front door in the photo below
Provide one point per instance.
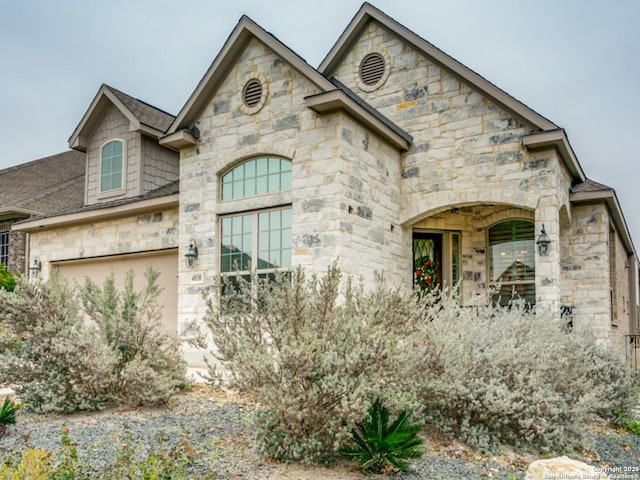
(427, 260)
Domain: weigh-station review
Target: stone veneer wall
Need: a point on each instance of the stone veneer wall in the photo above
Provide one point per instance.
(141, 233)
(114, 126)
(466, 151)
(586, 265)
(336, 164)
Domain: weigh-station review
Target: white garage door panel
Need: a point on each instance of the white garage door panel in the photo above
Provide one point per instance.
(99, 269)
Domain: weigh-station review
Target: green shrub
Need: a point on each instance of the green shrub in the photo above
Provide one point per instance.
(314, 362)
(516, 376)
(63, 463)
(7, 279)
(60, 362)
(8, 411)
(378, 445)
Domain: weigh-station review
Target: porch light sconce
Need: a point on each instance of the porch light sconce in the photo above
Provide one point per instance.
(543, 243)
(34, 269)
(192, 253)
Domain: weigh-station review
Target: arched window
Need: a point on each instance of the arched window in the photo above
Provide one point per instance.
(257, 240)
(257, 177)
(512, 260)
(111, 166)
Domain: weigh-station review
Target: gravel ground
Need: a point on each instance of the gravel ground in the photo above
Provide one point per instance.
(215, 426)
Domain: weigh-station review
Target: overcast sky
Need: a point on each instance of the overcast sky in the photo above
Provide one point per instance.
(577, 62)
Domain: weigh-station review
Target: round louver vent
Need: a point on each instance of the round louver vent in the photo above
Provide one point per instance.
(372, 69)
(252, 93)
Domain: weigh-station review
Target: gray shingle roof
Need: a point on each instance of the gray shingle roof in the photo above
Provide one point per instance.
(145, 113)
(44, 186)
(166, 190)
(590, 186)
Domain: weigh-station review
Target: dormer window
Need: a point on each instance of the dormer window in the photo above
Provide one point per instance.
(111, 163)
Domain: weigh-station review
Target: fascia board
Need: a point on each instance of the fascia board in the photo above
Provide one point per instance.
(100, 214)
(338, 100)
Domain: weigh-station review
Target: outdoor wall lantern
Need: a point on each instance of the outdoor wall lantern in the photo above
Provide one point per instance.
(192, 253)
(543, 243)
(34, 269)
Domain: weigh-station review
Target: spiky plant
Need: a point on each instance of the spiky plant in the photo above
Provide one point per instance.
(8, 414)
(378, 445)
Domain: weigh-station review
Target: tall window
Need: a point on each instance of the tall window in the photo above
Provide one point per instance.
(257, 240)
(512, 260)
(4, 248)
(111, 166)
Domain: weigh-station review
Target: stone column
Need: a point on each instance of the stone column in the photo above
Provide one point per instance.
(548, 292)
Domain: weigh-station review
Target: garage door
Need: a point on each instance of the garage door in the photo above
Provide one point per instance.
(166, 262)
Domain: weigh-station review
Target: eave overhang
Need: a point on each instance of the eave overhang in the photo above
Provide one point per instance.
(180, 139)
(557, 139)
(338, 100)
(10, 213)
(98, 214)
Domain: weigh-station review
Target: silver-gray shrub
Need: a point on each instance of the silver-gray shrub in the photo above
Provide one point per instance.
(149, 367)
(59, 361)
(53, 360)
(516, 376)
(315, 355)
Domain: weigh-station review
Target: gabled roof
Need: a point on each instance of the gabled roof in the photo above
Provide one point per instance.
(179, 135)
(43, 186)
(143, 117)
(590, 191)
(245, 30)
(368, 12)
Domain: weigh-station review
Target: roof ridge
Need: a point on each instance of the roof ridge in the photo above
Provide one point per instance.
(113, 89)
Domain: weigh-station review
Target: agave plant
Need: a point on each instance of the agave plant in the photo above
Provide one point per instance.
(378, 445)
(8, 414)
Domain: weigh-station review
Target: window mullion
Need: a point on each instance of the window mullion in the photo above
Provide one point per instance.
(254, 241)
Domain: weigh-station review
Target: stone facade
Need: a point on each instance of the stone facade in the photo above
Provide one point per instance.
(474, 158)
(146, 232)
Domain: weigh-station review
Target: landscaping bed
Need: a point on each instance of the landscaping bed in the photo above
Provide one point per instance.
(214, 424)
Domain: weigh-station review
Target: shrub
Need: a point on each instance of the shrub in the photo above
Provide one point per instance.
(7, 280)
(516, 376)
(55, 361)
(60, 362)
(8, 411)
(149, 367)
(34, 464)
(378, 445)
(63, 463)
(314, 362)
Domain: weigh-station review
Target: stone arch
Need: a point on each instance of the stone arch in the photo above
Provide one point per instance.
(441, 201)
(242, 154)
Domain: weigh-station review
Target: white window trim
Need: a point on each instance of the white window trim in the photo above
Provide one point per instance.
(115, 191)
(254, 240)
